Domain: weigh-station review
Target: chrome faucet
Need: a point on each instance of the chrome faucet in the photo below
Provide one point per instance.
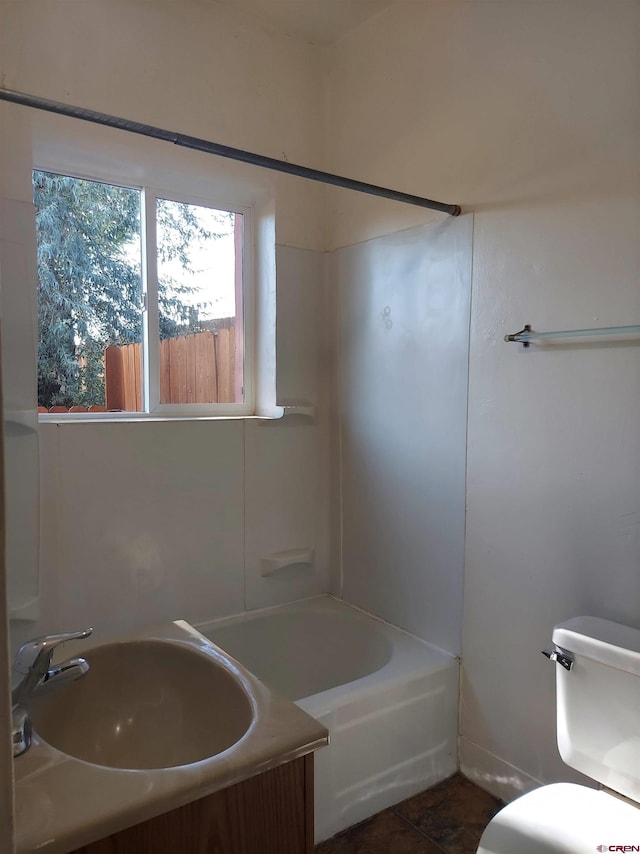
(33, 674)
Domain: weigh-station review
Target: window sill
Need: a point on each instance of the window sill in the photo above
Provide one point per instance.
(142, 418)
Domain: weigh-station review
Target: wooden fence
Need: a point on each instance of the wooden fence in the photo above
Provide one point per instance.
(123, 377)
(198, 368)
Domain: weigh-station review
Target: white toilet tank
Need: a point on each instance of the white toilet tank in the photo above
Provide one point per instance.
(598, 702)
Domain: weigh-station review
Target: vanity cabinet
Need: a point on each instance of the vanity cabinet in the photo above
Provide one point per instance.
(271, 813)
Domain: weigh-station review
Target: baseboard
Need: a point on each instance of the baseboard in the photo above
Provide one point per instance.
(493, 774)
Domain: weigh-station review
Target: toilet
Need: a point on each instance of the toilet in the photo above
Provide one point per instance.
(598, 732)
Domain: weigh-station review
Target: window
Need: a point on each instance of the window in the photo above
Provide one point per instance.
(141, 302)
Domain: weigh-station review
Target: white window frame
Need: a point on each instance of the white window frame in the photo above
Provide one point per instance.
(154, 410)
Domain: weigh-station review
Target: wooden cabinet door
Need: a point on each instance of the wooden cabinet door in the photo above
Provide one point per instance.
(271, 813)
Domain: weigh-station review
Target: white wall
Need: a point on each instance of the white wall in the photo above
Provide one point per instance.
(404, 330)
(527, 113)
(17, 257)
(6, 762)
(144, 522)
(192, 67)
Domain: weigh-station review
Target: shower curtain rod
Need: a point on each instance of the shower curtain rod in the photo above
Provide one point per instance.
(207, 147)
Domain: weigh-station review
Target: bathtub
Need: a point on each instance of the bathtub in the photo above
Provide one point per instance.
(389, 700)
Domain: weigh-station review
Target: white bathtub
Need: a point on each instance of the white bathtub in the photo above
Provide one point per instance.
(390, 701)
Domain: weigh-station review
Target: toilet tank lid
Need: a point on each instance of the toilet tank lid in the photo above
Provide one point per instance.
(601, 640)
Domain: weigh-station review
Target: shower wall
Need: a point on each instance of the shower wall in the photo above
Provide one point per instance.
(404, 324)
(143, 522)
(528, 114)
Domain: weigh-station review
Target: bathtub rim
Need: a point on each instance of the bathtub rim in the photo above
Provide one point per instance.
(390, 675)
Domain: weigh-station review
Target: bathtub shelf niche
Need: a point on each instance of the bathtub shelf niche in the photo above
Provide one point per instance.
(291, 559)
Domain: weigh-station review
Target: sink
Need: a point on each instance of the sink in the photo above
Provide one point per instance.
(162, 718)
(145, 704)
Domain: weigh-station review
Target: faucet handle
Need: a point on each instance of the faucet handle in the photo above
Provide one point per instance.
(40, 650)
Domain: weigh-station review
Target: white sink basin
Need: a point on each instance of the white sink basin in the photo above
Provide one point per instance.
(145, 704)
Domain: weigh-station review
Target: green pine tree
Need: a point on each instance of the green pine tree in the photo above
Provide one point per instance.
(89, 280)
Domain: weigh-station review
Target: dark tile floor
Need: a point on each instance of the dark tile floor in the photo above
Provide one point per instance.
(447, 819)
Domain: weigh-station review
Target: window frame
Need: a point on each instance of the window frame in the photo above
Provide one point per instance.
(150, 192)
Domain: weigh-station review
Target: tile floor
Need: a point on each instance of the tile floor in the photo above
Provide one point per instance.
(447, 819)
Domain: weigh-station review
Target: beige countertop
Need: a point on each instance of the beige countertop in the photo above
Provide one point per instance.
(63, 803)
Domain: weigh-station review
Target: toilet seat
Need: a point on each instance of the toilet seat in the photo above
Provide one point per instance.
(563, 818)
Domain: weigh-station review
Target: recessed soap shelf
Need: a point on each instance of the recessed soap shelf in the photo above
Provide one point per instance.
(29, 611)
(278, 562)
(307, 410)
(301, 412)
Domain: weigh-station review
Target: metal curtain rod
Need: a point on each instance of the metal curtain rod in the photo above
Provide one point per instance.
(526, 335)
(222, 150)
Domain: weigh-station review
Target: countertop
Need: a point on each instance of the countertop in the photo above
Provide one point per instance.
(63, 803)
